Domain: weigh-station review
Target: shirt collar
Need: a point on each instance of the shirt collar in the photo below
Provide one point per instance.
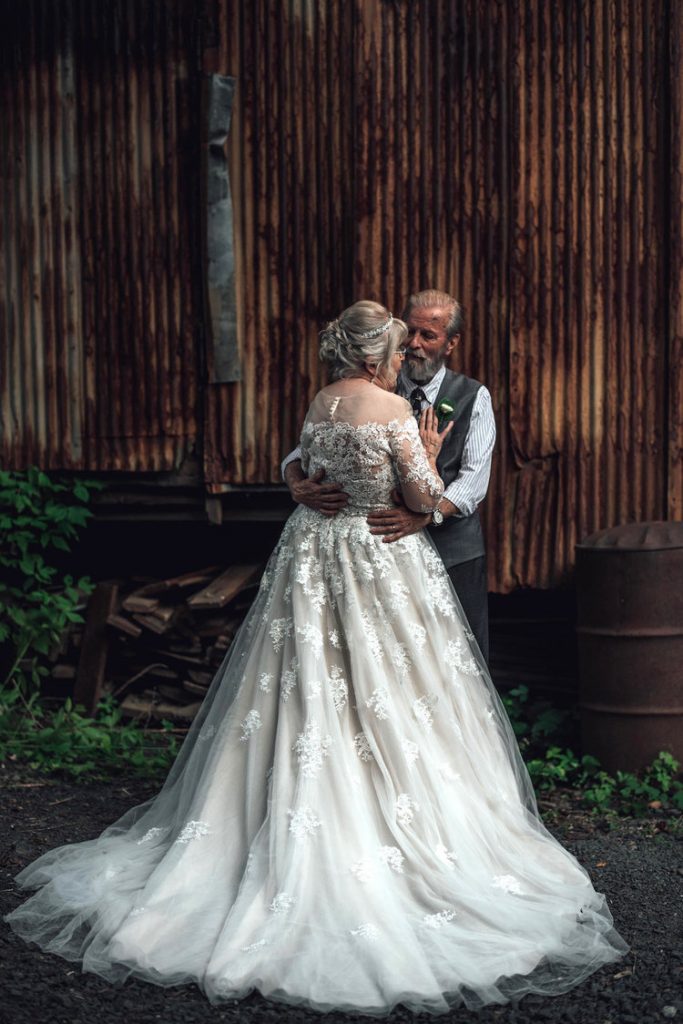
(430, 389)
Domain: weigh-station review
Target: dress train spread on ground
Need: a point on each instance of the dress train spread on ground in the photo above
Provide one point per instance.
(349, 823)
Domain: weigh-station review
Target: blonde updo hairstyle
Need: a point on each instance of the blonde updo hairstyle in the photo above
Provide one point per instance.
(344, 343)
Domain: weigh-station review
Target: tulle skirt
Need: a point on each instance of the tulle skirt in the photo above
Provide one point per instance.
(349, 824)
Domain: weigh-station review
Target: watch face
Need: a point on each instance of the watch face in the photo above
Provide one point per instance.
(437, 517)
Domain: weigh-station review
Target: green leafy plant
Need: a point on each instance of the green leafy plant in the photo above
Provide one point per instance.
(536, 723)
(556, 767)
(38, 515)
(656, 787)
(543, 733)
(69, 741)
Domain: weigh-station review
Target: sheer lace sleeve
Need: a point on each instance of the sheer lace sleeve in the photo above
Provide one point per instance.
(421, 487)
(304, 448)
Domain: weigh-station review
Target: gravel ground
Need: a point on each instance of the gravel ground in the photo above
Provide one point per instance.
(638, 864)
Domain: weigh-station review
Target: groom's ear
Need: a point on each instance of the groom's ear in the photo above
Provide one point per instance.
(452, 344)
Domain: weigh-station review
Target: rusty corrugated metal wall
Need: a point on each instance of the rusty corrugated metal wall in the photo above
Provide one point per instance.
(98, 191)
(515, 154)
(525, 156)
(675, 246)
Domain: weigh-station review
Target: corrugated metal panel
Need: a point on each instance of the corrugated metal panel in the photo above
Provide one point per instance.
(98, 175)
(511, 153)
(588, 279)
(675, 404)
(42, 410)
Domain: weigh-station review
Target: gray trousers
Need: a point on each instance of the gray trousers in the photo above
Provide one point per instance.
(470, 583)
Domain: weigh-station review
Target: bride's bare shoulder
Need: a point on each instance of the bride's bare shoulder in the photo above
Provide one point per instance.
(361, 401)
(398, 406)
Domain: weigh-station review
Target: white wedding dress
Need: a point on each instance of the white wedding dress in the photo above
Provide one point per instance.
(349, 823)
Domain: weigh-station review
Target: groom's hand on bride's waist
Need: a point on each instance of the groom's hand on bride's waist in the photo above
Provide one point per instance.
(327, 498)
(400, 521)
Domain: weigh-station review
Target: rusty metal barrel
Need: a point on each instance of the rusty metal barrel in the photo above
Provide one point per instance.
(630, 631)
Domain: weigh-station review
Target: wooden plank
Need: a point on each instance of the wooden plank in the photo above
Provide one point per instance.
(228, 585)
(185, 659)
(123, 625)
(94, 646)
(135, 603)
(187, 579)
(196, 688)
(136, 706)
(154, 623)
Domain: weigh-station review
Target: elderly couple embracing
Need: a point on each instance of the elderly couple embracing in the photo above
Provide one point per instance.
(434, 321)
(349, 823)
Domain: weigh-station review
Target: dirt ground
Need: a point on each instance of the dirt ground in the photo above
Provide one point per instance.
(638, 864)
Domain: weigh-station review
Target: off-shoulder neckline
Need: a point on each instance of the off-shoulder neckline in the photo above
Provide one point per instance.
(395, 423)
(330, 397)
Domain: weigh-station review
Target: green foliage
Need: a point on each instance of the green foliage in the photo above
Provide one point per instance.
(38, 515)
(71, 742)
(536, 723)
(542, 732)
(636, 794)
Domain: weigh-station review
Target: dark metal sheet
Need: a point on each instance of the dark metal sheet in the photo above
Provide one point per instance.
(224, 366)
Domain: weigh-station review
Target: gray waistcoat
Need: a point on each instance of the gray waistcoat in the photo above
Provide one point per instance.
(457, 539)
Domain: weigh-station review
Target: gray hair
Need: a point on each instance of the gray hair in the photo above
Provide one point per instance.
(431, 297)
(344, 343)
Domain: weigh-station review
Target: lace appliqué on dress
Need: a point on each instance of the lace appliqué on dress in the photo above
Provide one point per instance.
(411, 751)
(251, 724)
(311, 750)
(508, 883)
(378, 702)
(365, 931)
(280, 629)
(423, 708)
(310, 634)
(440, 919)
(392, 857)
(282, 903)
(455, 653)
(363, 870)
(193, 830)
(289, 679)
(405, 809)
(338, 689)
(360, 742)
(303, 823)
(445, 855)
(150, 834)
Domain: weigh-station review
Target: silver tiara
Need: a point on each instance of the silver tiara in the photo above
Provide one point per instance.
(376, 331)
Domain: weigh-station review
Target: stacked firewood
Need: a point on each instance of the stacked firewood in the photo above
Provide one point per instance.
(155, 645)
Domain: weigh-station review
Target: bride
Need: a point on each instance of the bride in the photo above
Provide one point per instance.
(349, 823)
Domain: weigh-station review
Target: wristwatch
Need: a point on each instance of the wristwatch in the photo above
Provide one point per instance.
(437, 517)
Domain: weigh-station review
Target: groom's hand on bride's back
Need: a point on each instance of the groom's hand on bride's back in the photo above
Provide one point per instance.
(400, 521)
(327, 498)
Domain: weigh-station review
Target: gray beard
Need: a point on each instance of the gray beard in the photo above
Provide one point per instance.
(421, 371)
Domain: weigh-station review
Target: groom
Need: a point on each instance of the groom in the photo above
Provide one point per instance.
(435, 322)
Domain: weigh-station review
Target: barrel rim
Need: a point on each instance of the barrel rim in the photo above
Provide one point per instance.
(647, 532)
